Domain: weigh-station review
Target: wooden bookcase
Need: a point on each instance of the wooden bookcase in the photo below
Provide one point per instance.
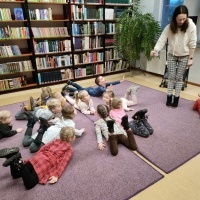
(16, 58)
(65, 40)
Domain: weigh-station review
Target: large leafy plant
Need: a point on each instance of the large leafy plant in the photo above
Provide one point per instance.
(136, 33)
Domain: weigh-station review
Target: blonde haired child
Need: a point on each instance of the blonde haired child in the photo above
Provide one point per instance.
(52, 114)
(131, 91)
(47, 134)
(112, 132)
(6, 125)
(58, 95)
(51, 111)
(82, 102)
(56, 153)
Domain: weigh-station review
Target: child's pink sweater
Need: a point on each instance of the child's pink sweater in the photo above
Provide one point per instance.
(117, 115)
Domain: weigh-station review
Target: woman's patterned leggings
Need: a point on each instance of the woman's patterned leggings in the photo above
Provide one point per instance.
(176, 68)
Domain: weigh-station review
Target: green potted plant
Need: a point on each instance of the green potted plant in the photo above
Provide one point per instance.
(136, 33)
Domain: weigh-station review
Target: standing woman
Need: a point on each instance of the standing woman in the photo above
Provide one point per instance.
(182, 38)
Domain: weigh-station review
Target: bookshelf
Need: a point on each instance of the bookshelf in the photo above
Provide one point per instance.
(50, 33)
(113, 59)
(88, 31)
(16, 69)
(63, 39)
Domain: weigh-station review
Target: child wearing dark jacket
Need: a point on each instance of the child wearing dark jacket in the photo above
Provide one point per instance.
(56, 153)
(6, 126)
(92, 91)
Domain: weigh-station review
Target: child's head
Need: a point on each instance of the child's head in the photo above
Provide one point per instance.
(58, 95)
(83, 96)
(102, 111)
(100, 80)
(116, 103)
(68, 112)
(5, 117)
(107, 96)
(54, 105)
(67, 134)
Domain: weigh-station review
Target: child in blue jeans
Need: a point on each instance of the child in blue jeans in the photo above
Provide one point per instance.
(92, 91)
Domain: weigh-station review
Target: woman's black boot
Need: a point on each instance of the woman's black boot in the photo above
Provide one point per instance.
(175, 102)
(169, 100)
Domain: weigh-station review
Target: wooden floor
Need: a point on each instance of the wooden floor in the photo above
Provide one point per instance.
(181, 184)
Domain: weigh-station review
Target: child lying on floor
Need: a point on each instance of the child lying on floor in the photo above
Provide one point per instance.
(52, 113)
(126, 102)
(57, 155)
(6, 125)
(112, 132)
(92, 91)
(82, 102)
(46, 134)
(196, 105)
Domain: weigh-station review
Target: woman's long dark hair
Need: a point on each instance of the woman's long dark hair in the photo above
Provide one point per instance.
(182, 9)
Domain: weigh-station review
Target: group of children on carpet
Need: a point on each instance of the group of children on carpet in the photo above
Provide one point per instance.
(57, 128)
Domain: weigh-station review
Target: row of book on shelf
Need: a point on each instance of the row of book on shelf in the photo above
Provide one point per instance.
(49, 1)
(48, 46)
(8, 32)
(87, 42)
(13, 67)
(89, 70)
(101, 1)
(49, 31)
(88, 28)
(13, 83)
(64, 74)
(54, 76)
(87, 1)
(6, 15)
(115, 65)
(80, 12)
(53, 61)
(40, 14)
(88, 57)
(9, 50)
(111, 54)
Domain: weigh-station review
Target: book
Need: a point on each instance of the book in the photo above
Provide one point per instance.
(109, 13)
(19, 15)
(15, 49)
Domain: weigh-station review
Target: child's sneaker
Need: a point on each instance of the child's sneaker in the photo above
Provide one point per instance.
(12, 159)
(124, 122)
(147, 125)
(8, 152)
(110, 124)
(30, 105)
(134, 89)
